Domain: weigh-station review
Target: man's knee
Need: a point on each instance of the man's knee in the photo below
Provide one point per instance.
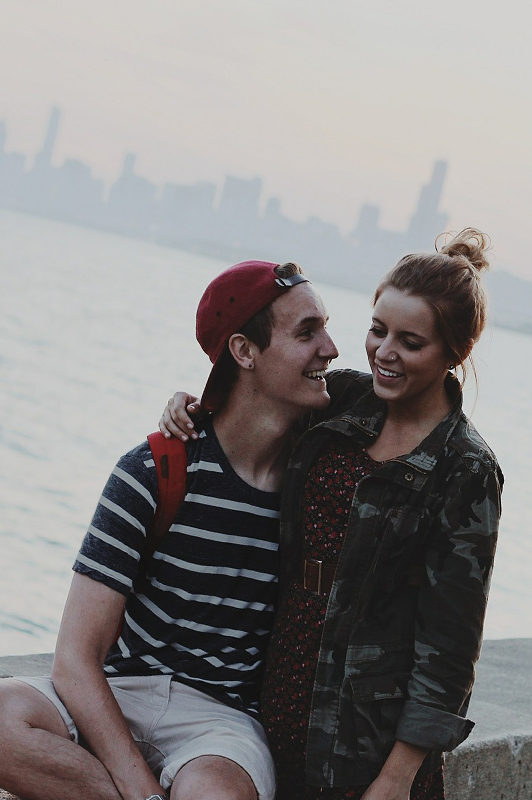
(212, 778)
(22, 707)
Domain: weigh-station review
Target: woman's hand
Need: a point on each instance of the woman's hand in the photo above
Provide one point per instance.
(175, 420)
(383, 789)
(395, 778)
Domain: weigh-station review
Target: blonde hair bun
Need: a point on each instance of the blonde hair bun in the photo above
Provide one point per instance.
(470, 244)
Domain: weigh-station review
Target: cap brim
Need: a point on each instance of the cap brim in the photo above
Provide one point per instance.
(215, 393)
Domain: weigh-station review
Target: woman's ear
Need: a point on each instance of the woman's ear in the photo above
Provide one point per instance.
(241, 348)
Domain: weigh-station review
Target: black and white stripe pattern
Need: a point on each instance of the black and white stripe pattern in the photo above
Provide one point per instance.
(205, 609)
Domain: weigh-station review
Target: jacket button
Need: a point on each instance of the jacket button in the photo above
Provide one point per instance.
(409, 476)
(363, 422)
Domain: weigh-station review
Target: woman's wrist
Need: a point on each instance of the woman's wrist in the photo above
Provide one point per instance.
(403, 762)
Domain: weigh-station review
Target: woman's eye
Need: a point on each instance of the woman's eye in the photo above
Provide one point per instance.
(377, 331)
(413, 345)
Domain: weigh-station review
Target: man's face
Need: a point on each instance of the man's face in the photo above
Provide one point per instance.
(290, 373)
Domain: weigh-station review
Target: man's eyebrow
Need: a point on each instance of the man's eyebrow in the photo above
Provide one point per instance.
(312, 320)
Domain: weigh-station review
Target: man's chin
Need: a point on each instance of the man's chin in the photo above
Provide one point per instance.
(323, 400)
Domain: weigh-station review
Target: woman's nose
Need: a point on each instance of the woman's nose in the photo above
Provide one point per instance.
(386, 350)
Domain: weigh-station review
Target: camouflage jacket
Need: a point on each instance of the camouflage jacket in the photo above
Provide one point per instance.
(404, 619)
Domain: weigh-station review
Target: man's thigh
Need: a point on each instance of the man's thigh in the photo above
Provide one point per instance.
(190, 725)
(174, 724)
(40, 706)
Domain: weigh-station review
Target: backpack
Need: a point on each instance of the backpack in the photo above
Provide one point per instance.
(170, 457)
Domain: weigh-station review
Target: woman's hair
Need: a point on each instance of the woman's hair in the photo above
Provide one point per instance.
(258, 329)
(449, 281)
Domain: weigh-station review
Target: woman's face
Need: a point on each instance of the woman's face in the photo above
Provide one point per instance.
(407, 355)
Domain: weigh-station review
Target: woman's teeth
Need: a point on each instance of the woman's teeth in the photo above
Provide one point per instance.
(388, 374)
(317, 373)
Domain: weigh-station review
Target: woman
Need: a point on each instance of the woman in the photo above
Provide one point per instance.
(390, 512)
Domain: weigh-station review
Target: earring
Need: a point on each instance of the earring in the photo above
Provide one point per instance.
(452, 366)
(250, 366)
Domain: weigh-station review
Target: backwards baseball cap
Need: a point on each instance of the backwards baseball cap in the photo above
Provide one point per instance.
(228, 303)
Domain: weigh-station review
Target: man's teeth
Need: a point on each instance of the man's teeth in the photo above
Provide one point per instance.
(317, 373)
(388, 374)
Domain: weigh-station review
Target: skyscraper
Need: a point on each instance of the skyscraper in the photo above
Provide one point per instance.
(43, 160)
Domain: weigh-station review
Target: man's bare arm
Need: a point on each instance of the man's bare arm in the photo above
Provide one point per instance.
(91, 617)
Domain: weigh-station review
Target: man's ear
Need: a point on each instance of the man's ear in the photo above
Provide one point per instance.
(242, 350)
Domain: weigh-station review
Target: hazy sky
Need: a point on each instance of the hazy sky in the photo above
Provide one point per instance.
(332, 102)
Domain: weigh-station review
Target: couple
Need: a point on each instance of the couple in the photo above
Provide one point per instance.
(389, 512)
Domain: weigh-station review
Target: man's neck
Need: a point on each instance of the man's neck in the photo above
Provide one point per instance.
(256, 443)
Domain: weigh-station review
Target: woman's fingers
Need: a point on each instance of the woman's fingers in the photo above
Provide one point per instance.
(175, 420)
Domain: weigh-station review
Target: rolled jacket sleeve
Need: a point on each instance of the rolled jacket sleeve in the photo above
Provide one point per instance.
(432, 728)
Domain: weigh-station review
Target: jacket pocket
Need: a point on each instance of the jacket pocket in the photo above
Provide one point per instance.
(372, 700)
(385, 686)
(378, 702)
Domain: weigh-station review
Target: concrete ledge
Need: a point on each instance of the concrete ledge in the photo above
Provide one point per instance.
(38, 664)
(10, 666)
(494, 770)
(494, 763)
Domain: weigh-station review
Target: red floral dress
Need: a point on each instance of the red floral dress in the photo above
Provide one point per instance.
(295, 644)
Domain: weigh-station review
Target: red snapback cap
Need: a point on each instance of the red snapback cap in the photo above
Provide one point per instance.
(227, 304)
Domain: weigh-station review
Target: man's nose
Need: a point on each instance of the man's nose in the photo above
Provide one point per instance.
(328, 348)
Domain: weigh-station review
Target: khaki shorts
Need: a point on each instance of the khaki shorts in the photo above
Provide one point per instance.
(173, 724)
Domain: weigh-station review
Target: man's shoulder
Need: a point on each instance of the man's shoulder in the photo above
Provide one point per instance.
(138, 454)
(136, 466)
(342, 379)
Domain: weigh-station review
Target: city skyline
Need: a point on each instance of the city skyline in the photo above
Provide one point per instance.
(230, 221)
(332, 110)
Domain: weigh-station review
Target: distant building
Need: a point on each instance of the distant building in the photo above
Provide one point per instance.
(185, 215)
(79, 195)
(131, 208)
(43, 160)
(427, 221)
(11, 173)
(238, 212)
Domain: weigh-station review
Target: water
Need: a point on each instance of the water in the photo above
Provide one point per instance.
(96, 332)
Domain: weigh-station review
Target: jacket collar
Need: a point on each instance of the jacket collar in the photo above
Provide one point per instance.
(367, 417)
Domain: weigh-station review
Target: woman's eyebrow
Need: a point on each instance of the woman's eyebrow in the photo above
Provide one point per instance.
(403, 333)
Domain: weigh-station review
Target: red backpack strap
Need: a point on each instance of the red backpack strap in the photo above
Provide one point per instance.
(170, 458)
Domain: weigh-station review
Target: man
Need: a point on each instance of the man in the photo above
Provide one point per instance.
(174, 711)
